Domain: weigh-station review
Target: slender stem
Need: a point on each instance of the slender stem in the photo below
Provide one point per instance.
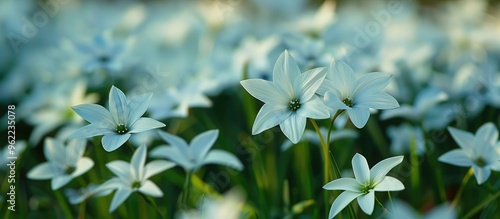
(381, 205)
(151, 202)
(481, 206)
(187, 187)
(63, 204)
(326, 168)
(390, 200)
(81, 213)
(337, 114)
(462, 187)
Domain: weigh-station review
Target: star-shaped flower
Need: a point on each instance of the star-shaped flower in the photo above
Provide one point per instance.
(344, 90)
(367, 182)
(197, 154)
(63, 162)
(117, 124)
(134, 177)
(289, 99)
(480, 151)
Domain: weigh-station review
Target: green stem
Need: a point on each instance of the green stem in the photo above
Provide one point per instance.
(481, 206)
(151, 202)
(324, 146)
(185, 192)
(415, 171)
(381, 205)
(63, 204)
(81, 213)
(331, 126)
(390, 200)
(462, 187)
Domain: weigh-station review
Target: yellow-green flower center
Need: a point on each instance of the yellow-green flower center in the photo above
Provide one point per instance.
(294, 104)
(69, 170)
(480, 162)
(347, 102)
(121, 129)
(365, 189)
(136, 184)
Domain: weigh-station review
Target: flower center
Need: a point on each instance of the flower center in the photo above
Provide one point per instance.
(294, 104)
(69, 170)
(121, 129)
(347, 102)
(365, 189)
(104, 58)
(480, 162)
(136, 184)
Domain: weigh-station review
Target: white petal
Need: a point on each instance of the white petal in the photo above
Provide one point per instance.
(378, 100)
(111, 142)
(149, 188)
(464, 139)
(264, 91)
(348, 184)
(284, 72)
(488, 132)
(308, 82)
(341, 202)
(222, 158)
(381, 169)
(342, 76)
(91, 131)
(333, 101)
(75, 150)
(118, 106)
(172, 154)
(94, 113)
(121, 169)
(456, 157)
(121, 195)
(137, 162)
(155, 167)
(361, 169)
(481, 174)
(293, 127)
(359, 116)
(176, 142)
(314, 108)
(138, 107)
(367, 202)
(372, 82)
(60, 181)
(404, 111)
(327, 85)
(55, 151)
(270, 116)
(83, 165)
(43, 171)
(145, 124)
(389, 183)
(202, 143)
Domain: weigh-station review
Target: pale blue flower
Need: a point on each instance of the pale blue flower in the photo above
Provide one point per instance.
(367, 181)
(402, 137)
(134, 177)
(344, 90)
(197, 153)
(480, 151)
(399, 209)
(289, 99)
(80, 195)
(64, 163)
(229, 206)
(121, 121)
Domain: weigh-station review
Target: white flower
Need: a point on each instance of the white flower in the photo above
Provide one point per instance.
(480, 151)
(367, 181)
(403, 136)
(228, 207)
(344, 90)
(80, 195)
(134, 177)
(289, 100)
(117, 124)
(197, 154)
(399, 209)
(63, 162)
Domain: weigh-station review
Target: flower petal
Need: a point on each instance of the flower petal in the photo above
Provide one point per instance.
(404, 111)
(118, 106)
(202, 143)
(264, 91)
(94, 113)
(314, 108)
(55, 151)
(113, 141)
(389, 183)
(270, 116)
(464, 139)
(488, 132)
(151, 189)
(359, 116)
(138, 106)
(121, 169)
(83, 165)
(293, 127)
(284, 72)
(308, 82)
(173, 154)
(60, 181)
(333, 101)
(145, 124)
(91, 131)
(348, 184)
(176, 142)
(456, 157)
(372, 82)
(341, 202)
(222, 158)
(120, 196)
(376, 100)
(367, 202)
(43, 171)
(378, 172)
(137, 162)
(343, 77)
(155, 167)
(481, 174)
(361, 169)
